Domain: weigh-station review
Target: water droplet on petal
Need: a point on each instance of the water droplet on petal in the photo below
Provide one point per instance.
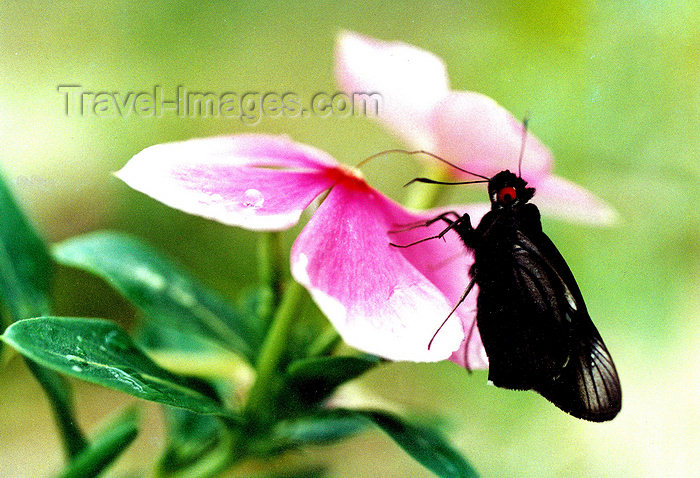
(252, 198)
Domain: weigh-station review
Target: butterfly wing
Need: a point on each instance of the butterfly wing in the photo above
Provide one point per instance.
(587, 386)
(534, 323)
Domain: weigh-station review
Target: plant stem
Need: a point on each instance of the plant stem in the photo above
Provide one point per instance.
(324, 343)
(260, 400)
(270, 259)
(258, 406)
(270, 271)
(221, 458)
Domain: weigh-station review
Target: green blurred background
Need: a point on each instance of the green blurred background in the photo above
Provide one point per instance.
(612, 89)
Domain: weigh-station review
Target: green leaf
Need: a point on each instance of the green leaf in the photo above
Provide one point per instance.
(423, 444)
(25, 279)
(25, 265)
(190, 437)
(99, 351)
(326, 426)
(315, 378)
(307, 471)
(162, 290)
(61, 400)
(105, 448)
(191, 356)
(153, 336)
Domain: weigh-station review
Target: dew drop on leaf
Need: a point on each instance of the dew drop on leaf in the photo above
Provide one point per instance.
(75, 358)
(115, 342)
(127, 378)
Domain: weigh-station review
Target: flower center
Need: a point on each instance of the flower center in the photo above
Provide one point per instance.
(348, 176)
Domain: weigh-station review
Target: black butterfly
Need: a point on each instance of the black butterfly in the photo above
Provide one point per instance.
(530, 312)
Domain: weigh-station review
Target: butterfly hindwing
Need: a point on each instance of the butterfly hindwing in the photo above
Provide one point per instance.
(588, 385)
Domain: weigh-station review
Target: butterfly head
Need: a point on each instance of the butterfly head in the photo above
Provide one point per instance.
(506, 191)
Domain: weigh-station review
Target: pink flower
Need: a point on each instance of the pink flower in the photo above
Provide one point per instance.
(382, 300)
(466, 128)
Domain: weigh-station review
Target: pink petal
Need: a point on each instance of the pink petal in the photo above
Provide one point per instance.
(556, 196)
(376, 298)
(254, 181)
(478, 134)
(450, 275)
(411, 81)
(472, 357)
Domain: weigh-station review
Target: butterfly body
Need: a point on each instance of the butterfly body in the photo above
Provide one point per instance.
(531, 316)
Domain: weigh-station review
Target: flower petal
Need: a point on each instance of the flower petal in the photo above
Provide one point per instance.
(376, 298)
(450, 275)
(411, 81)
(472, 357)
(254, 181)
(478, 134)
(555, 196)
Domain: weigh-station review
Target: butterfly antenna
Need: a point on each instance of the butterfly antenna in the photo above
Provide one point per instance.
(526, 119)
(427, 153)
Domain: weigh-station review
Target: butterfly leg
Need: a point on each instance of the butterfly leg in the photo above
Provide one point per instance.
(451, 224)
(415, 225)
(466, 343)
(459, 302)
(467, 233)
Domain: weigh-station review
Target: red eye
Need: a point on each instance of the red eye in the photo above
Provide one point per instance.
(507, 195)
